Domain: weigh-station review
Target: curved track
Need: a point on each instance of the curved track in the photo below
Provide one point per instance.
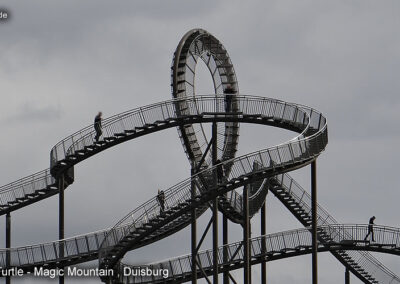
(259, 171)
(278, 246)
(144, 223)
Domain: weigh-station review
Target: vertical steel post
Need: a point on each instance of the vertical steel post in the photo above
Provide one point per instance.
(263, 245)
(215, 205)
(225, 243)
(250, 281)
(61, 221)
(347, 276)
(193, 230)
(246, 255)
(8, 244)
(314, 222)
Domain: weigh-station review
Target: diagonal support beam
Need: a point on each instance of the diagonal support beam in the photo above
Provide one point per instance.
(236, 252)
(204, 235)
(205, 154)
(202, 271)
(231, 277)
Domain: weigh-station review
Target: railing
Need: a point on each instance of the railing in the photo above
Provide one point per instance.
(257, 193)
(364, 259)
(257, 199)
(277, 245)
(300, 149)
(28, 185)
(272, 160)
(161, 112)
(82, 246)
(196, 45)
(165, 111)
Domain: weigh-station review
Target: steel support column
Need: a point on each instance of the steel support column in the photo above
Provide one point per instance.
(61, 236)
(347, 276)
(225, 243)
(250, 268)
(194, 233)
(8, 244)
(314, 222)
(263, 245)
(246, 236)
(215, 205)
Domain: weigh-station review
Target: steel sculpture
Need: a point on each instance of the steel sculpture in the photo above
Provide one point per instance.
(257, 172)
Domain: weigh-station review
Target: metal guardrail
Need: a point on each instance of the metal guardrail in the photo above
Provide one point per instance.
(197, 45)
(159, 112)
(294, 153)
(131, 120)
(364, 259)
(257, 193)
(83, 246)
(277, 245)
(21, 188)
(301, 149)
(305, 146)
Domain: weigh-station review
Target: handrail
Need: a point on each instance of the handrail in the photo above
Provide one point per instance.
(273, 160)
(303, 199)
(110, 123)
(295, 153)
(278, 245)
(160, 112)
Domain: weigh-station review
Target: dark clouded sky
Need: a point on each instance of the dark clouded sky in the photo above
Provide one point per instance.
(60, 63)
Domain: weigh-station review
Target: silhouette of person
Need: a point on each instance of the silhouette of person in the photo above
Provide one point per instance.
(97, 126)
(161, 200)
(370, 229)
(220, 171)
(229, 92)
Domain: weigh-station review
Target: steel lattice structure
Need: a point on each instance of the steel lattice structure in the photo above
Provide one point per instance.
(258, 172)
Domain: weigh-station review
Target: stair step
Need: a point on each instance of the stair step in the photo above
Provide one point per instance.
(71, 157)
(121, 134)
(32, 196)
(130, 131)
(107, 139)
(140, 128)
(220, 51)
(80, 152)
(227, 74)
(89, 148)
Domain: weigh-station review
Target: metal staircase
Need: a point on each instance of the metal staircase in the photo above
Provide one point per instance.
(297, 153)
(29, 190)
(298, 201)
(145, 224)
(277, 246)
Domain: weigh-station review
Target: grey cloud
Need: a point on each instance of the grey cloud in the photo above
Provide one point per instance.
(80, 57)
(33, 113)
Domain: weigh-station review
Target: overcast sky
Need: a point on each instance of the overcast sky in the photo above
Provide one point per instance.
(60, 63)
